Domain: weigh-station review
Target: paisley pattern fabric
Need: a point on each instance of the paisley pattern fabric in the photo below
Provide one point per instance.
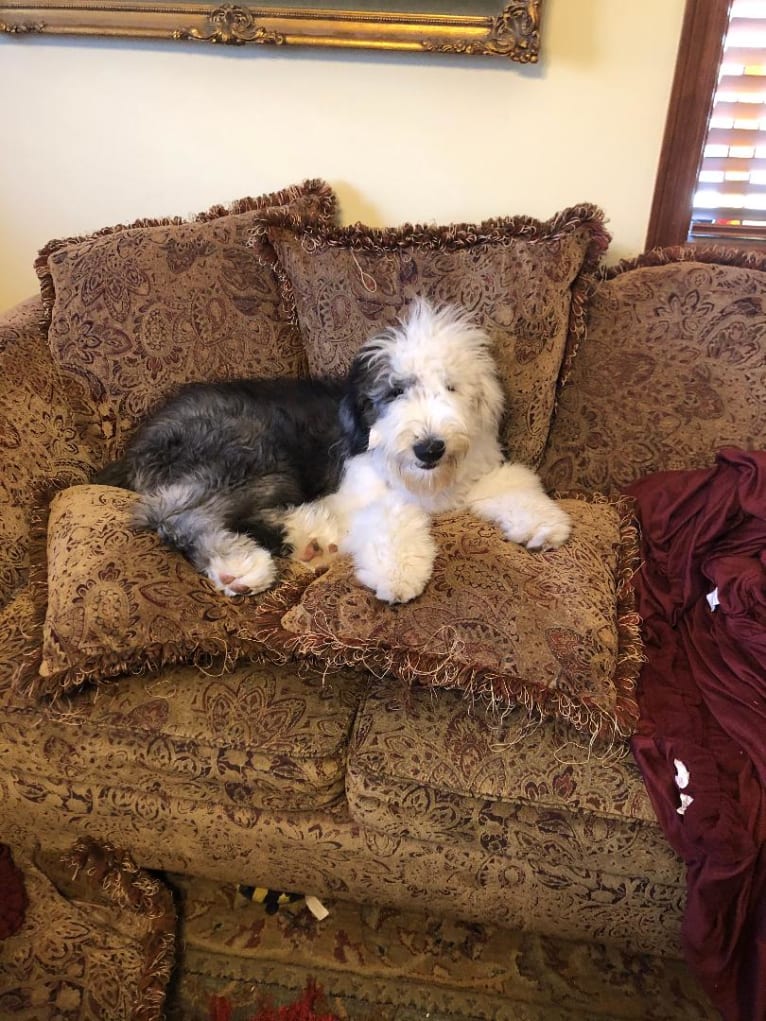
(353, 785)
(427, 768)
(242, 776)
(524, 280)
(683, 343)
(260, 735)
(555, 632)
(119, 601)
(97, 942)
(137, 311)
(40, 447)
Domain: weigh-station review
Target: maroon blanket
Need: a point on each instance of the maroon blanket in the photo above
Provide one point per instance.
(703, 709)
(13, 894)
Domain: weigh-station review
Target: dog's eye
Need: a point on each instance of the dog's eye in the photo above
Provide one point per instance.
(394, 392)
(451, 388)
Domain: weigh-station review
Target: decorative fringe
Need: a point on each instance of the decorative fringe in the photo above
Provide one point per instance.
(585, 217)
(715, 254)
(115, 874)
(322, 649)
(313, 187)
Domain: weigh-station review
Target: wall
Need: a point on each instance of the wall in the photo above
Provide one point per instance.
(97, 132)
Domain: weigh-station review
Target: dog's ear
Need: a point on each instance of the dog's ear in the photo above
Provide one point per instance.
(355, 417)
(357, 408)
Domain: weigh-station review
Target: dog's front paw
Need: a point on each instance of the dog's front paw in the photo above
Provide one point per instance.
(393, 550)
(544, 526)
(392, 589)
(551, 533)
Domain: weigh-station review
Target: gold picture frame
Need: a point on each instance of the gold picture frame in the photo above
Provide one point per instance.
(508, 29)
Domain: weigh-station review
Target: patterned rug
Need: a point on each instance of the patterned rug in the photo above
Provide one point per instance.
(380, 965)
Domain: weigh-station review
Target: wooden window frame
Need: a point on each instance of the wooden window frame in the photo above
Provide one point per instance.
(691, 101)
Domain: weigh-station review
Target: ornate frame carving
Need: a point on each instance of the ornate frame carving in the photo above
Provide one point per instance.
(514, 32)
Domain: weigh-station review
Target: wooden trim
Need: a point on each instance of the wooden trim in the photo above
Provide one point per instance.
(691, 100)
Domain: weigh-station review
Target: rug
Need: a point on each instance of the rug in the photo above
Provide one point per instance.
(376, 964)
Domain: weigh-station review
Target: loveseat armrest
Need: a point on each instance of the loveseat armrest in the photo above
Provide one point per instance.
(40, 447)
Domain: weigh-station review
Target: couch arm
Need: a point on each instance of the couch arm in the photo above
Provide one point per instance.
(40, 448)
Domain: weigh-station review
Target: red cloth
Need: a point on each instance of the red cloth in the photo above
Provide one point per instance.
(702, 696)
(13, 895)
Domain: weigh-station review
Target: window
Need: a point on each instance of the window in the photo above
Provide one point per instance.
(711, 181)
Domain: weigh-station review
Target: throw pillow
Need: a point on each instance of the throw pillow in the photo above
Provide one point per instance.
(98, 940)
(524, 280)
(137, 311)
(119, 602)
(555, 632)
(678, 336)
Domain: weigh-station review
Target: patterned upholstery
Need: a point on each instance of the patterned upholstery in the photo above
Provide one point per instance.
(137, 311)
(683, 343)
(107, 767)
(554, 632)
(357, 786)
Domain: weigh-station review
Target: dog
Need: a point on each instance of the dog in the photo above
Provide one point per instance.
(232, 473)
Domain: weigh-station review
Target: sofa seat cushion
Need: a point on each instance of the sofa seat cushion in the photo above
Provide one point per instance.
(261, 735)
(680, 335)
(441, 771)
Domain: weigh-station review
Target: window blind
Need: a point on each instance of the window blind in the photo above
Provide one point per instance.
(730, 198)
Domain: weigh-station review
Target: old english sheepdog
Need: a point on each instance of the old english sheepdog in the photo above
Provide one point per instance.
(232, 473)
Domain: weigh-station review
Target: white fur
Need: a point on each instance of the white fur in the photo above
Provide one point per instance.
(381, 513)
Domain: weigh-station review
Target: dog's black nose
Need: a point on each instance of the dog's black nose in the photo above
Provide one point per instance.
(429, 451)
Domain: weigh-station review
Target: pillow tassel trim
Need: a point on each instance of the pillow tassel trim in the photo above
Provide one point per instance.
(686, 253)
(323, 650)
(498, 230)
(313, 187)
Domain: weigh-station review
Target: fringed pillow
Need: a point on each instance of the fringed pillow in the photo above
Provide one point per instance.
(524, 280)
(119, 602)
(98, 939)
(555, 632)
(135, 311)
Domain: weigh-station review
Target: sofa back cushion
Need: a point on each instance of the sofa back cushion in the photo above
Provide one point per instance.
(672, 368)
(524, 281)
(137, 311)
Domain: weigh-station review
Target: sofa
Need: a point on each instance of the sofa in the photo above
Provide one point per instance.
(376, 771)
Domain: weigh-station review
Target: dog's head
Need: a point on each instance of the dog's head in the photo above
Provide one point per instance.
(421, 393)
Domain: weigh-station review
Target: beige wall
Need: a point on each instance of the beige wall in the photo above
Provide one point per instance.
(100, 132)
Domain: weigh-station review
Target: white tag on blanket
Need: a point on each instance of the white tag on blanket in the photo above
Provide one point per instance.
(682, 782)
(712, 599)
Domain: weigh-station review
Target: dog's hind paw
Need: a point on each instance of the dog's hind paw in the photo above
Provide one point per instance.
(243, 571)
(314, 556)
